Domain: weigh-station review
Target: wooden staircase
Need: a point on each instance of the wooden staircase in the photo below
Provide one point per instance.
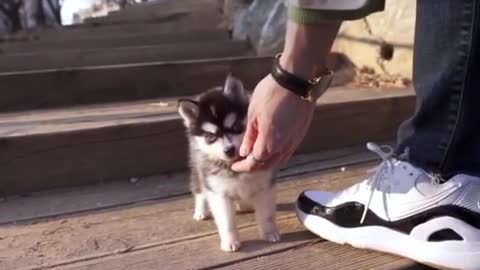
(97, 102)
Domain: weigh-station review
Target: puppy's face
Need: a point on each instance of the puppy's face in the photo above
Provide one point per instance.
(217, 120)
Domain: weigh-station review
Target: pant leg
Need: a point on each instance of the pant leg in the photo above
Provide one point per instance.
(9, 16)
(51, 11)
(444, 134)
(33, 13)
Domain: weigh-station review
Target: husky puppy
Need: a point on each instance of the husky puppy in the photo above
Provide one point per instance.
(215, 124)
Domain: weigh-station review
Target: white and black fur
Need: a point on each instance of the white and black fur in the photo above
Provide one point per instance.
(215, 125)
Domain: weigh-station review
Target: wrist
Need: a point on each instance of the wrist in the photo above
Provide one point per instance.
(299, 65)
(308, 88)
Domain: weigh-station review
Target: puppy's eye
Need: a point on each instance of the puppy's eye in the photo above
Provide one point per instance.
(237, 128)
(210, 137)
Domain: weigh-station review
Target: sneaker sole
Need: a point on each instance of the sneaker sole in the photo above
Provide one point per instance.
(445, 255)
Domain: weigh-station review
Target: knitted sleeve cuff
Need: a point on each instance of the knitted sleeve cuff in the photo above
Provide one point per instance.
(311, 16)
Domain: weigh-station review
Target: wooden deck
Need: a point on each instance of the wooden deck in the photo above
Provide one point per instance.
(148, 225)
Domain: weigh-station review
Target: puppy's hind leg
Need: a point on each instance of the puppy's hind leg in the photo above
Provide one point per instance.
(265, 208)
(201, 211)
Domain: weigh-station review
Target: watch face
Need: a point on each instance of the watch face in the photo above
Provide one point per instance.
(320, 86)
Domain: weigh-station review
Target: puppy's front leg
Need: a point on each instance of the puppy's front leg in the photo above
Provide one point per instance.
(224, 214)
(265, 208)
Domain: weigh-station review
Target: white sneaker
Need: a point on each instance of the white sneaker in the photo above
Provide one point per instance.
(408, 213)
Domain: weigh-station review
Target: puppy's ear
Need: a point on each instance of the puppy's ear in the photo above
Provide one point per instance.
(189, 111)
(234, 89)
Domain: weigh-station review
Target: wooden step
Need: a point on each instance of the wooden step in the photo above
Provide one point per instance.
(88, 85)
(88, 145)
(182, 22)
(170, 5)
(148, 225)
(156, 12)
(122, 55)
(111, 41)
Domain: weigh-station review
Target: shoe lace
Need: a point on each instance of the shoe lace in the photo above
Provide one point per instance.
(436, 179)
(385, 168)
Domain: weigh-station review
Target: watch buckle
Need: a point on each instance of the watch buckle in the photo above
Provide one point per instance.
(322, 81)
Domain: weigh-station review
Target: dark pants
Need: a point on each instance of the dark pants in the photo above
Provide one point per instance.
(22, 14)
(41, 13)
(444, 134)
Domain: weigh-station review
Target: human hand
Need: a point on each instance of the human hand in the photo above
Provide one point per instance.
(277, 123)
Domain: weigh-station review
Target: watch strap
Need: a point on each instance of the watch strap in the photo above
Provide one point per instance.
(288, 80)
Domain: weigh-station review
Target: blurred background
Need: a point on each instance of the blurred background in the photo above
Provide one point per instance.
(380, 44)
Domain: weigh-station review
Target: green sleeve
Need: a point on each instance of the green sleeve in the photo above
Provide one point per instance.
(308, 16)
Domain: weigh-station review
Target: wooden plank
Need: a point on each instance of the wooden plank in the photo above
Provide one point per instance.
(404, 264)
(111, 41)
(325, 256)
(153, 16)
(171, 5)
(204, 254)
(154, 12)
(181, 23)
(68, 87)
(135, 146)
(110, 115)
(165, 223)
(122, 55)
(392, 107)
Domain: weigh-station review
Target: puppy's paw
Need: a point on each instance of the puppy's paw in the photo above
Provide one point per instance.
(230, 245)
(271, 236)
(201, 215)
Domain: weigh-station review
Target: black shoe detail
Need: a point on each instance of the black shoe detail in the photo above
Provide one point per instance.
(349, 214)
(445, 235)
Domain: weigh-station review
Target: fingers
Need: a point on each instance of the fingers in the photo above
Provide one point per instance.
(257, 159)
(257, 156)
(261, 155)
(244, 165)
(248, 139)
(250, 164)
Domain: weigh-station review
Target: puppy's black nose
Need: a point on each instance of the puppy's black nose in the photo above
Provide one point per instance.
(229, 151)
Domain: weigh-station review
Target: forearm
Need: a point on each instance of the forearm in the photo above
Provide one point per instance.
(312, 28)
(307, 47)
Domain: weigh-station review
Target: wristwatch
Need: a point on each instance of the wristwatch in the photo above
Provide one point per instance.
(309, 90)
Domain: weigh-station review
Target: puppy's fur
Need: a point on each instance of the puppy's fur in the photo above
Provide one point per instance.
(215, 125)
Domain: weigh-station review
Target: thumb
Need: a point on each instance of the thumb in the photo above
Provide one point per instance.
(248, 139)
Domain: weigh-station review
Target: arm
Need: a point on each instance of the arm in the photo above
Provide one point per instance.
(307, 47)
(312, 28)
(278, 119)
